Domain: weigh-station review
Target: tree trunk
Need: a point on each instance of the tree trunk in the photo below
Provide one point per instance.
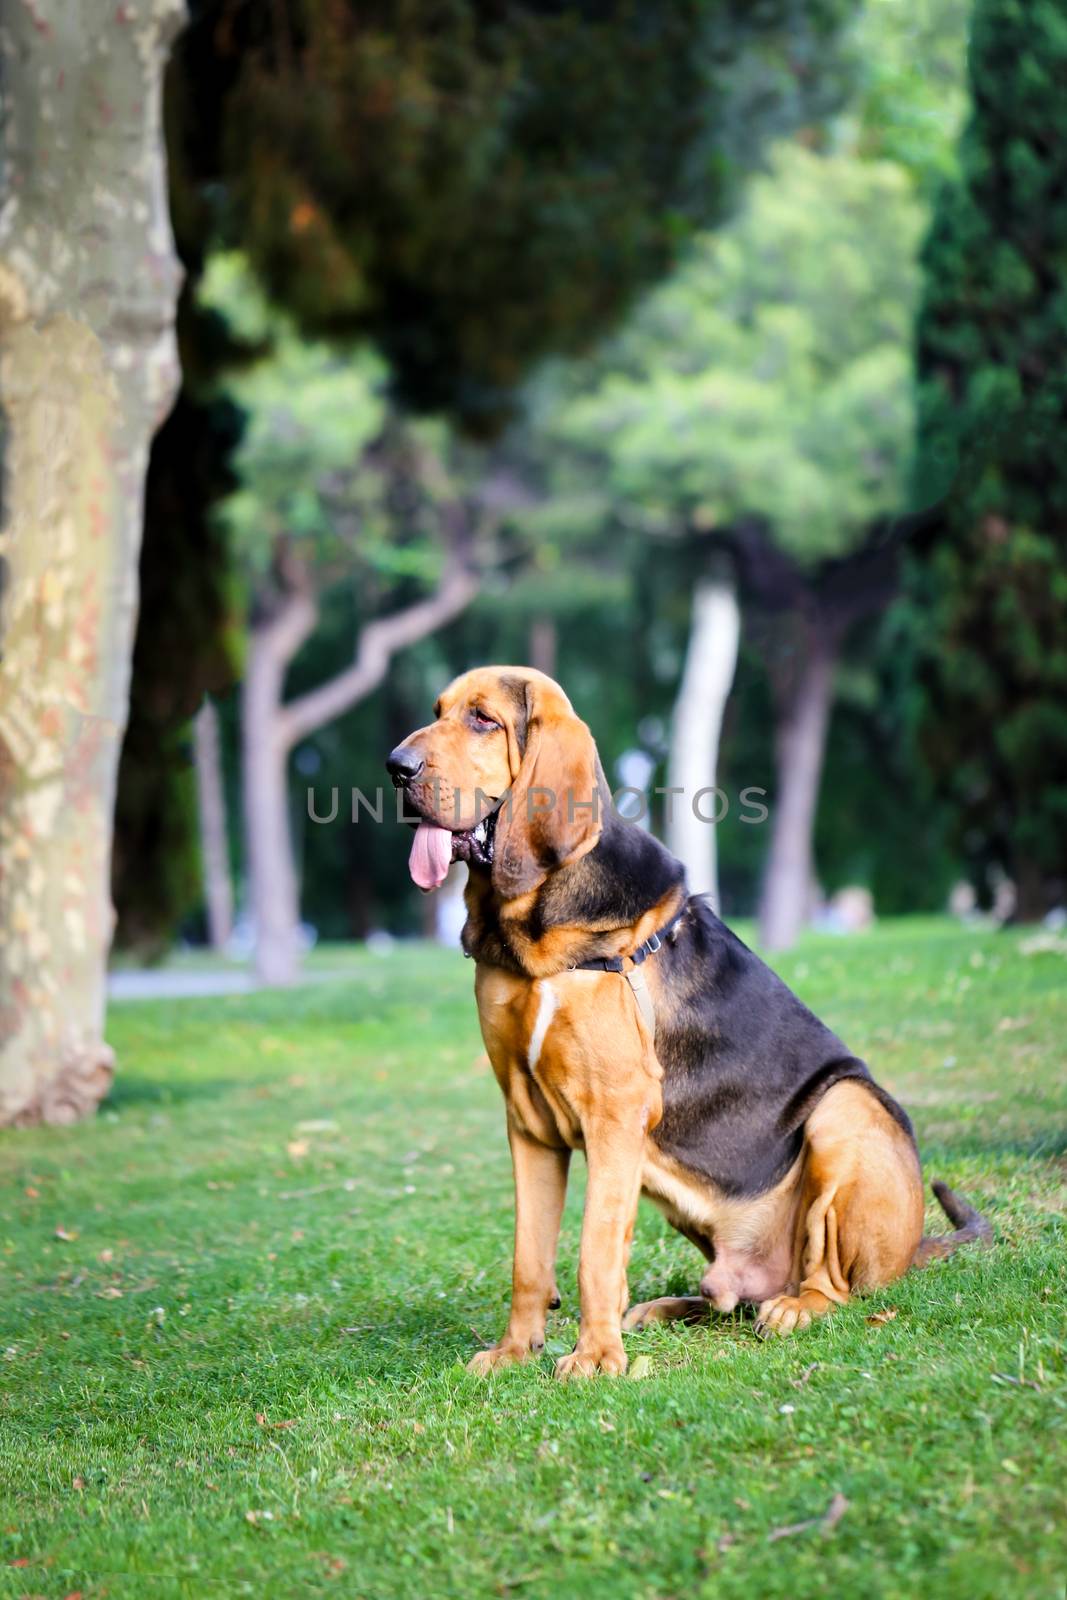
(800, 746)
(544, 641)
(710, 664)
(211, 811)
(449, 907)
(274, 899)
(271, 728)
(88, 366)
(1031, 890)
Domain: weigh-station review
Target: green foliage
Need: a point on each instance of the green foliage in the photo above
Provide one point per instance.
(236, 1371)
(912, 91)
(189, 642)
(770, 376)
(325, 467)
(477, 185)
(310, 413)
(988, 602)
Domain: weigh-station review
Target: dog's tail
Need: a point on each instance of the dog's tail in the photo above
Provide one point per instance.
(970, 1226)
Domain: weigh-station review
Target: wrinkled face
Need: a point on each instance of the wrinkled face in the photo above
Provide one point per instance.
(456, 769)
(499, 731)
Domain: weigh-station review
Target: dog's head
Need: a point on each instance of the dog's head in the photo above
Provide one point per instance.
(505, 777)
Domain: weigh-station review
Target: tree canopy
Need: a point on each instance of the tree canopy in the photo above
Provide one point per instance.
(475, 185)
(770, 376)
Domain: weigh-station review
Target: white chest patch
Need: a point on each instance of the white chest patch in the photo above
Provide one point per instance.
(546, 1010)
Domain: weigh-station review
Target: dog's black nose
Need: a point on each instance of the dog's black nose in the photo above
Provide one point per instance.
(403, 764)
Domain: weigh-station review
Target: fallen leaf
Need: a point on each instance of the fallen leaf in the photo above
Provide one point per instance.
(66, 1235)
(723, 1543)
(640, 1367)
(877, 1318)
(20, 1561)
(110, 1293)
(79, 1483)
(105, 1256)
(1013, 1467)
(31, 1193)
(298, 1148)
(333, 1564)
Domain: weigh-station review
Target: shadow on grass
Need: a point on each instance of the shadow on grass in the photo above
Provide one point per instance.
(128, 1091)
(1049, 1145)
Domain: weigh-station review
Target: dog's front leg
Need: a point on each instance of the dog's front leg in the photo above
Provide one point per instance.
(540, 1189)
(613, 1147)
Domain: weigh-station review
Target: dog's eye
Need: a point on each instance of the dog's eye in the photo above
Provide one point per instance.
(482, 721)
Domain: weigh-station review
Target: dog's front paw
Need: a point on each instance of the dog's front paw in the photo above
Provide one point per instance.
(592, 1356)
(508, 1353)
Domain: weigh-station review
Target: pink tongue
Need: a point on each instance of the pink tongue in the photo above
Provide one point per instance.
(431, 855)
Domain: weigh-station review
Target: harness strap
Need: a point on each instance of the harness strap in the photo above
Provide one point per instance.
(636, 980)
(633, 974)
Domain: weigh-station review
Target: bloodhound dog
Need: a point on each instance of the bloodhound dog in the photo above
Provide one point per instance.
(623, 1019)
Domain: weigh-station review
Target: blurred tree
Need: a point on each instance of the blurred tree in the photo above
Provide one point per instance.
(763, 396)
(912, 91)
(192, 613)
(192, 607)
(334, 491)
(477, 184)
(471, 186)
(987, 604)
(759, 408)
(88, 282)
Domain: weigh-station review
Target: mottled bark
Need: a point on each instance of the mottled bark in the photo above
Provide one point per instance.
(800, 749)
(88, 281)
(211, 814)
(710, 664)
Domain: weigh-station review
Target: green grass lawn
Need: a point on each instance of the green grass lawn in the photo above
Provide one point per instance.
(234, 1313)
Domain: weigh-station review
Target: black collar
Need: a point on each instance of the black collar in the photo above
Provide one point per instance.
(642, 953)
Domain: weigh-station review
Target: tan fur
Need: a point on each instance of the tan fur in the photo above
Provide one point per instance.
(848, 1217)
(578, 1069)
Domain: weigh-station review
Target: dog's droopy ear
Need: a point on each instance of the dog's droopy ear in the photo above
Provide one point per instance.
(552, 809)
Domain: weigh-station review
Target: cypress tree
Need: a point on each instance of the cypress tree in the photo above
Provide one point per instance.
(987, 600)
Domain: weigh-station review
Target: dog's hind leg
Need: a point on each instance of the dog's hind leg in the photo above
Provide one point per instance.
(861, 1208)
(670, 1308)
